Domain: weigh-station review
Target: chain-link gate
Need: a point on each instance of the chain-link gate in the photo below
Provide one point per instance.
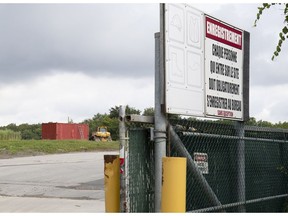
(213, 149)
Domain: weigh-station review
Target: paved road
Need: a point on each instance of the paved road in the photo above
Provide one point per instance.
(53, 183)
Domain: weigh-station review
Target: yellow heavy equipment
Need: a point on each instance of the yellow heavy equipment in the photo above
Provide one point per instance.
(101, 134)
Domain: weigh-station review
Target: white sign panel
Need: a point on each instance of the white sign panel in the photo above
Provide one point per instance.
(201, 161)
(184, 58)
(223, 70)
(203, 64)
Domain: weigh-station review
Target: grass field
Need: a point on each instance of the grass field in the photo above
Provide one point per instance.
(9, 135)
(12, 148)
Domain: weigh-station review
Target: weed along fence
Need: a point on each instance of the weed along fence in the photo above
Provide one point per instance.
(212, 181)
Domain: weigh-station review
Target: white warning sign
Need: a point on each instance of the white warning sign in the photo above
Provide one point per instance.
(223, 70)
(201, 160)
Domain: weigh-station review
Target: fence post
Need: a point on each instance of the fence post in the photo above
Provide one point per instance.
(241, 196)
(123, 148)
(160, 121)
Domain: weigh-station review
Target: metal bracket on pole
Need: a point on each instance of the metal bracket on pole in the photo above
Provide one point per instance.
(140, 119)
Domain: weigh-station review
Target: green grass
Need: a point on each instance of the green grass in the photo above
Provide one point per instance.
(9, 135)
(36, 147)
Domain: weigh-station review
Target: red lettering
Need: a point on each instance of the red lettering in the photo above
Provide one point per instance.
(225, 113)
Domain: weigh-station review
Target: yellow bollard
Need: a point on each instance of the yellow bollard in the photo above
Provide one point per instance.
(173, 184)
(112, 183)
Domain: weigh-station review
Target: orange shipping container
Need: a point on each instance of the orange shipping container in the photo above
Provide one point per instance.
(65, 131)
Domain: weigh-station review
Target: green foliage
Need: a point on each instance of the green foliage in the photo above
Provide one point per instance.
(27, 131)
(284, 32)
(103, 120)
(148, 111)
(35, 147)
(114, 111)
(30, 131)
(174, 116)
(260, 11)
(252, 121)
(12, 127)
(33, 131)
(8, 134)
(283, 125)
(109, 120)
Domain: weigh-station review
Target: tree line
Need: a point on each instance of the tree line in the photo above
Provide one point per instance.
(110, 120)
(26, 131)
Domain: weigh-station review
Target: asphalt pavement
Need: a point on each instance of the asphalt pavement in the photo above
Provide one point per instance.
(60, 183)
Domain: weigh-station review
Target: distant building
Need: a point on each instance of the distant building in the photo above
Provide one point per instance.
(65, 131)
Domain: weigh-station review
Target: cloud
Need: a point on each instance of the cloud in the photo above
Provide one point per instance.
(100, 39)
(76, 60)
(269, 102)
(55, 97)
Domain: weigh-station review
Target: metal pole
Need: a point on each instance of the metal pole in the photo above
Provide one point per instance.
(241, 197)
(123, 143)
(160, 122)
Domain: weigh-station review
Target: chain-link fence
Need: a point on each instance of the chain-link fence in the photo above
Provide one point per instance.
(214, 150)
(140, 189)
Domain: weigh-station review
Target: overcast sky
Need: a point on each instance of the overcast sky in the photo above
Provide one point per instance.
(77, 60)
